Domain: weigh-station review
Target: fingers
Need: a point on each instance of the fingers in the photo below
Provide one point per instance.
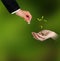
(44, 32)
(37, 36)
(27, 17)
(44, 35)
(40, 37)
(25, 14)
(34, 35)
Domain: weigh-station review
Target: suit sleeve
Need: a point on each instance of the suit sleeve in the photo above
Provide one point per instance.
(11, 5)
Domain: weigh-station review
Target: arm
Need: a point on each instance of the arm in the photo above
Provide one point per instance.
(13, 7)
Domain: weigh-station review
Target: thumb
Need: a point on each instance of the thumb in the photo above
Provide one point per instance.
(27, 19)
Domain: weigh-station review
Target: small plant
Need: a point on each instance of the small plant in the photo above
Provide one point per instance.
(40, 20)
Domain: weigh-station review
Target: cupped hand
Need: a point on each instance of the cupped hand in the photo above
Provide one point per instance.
(44, 35)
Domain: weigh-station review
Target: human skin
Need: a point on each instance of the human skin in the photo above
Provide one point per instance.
(44, 35)
(25, 15)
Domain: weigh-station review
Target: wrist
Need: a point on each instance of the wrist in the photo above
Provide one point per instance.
(19, 12)
(15, 11)
(55, 36)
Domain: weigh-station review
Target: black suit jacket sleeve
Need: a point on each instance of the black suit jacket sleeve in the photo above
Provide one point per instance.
(11, 5)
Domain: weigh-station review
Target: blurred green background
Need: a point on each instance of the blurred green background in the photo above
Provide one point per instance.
(16, 41)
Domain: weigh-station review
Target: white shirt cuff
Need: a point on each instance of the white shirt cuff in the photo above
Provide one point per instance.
(15, 11)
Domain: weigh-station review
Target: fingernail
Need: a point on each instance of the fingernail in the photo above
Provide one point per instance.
(28, 22)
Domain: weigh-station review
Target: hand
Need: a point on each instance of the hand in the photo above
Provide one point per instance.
(24, 14)
(44, 34)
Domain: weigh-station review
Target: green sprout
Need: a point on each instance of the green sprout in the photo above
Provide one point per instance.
(45, 20)
(39, 19)
(41, 27)
(42, 19)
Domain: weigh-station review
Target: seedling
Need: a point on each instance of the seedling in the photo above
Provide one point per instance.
(42, 20)
(41, 27)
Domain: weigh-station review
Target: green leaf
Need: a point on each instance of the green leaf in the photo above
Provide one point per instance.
(41, 27)
(39, 19)
(45, 20)
(42, 17)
